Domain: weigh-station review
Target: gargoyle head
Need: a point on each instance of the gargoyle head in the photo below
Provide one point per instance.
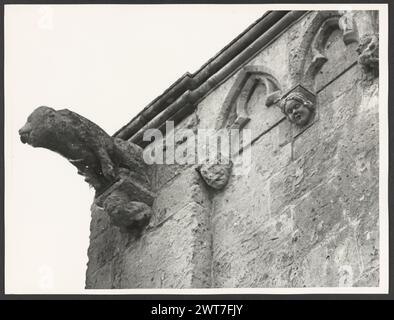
(35, 132)
(298, 106)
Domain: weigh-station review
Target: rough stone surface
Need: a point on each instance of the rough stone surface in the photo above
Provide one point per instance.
(90, 149)
(184, 189)
(368, 51)
(184, 262)
(128, 202)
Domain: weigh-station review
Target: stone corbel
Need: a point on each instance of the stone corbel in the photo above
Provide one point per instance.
(299, 106)
(273, 91)
(348, 26)
(368, 51)
(216, 174)
(112, 166)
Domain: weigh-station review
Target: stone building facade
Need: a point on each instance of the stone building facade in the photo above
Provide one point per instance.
(305, 213)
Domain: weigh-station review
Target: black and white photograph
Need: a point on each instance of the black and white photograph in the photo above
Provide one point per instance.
(196, 149)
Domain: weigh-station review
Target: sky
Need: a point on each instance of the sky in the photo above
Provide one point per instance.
(105, 62)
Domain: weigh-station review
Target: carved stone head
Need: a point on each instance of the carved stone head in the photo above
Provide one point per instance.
(368, 50)
(35, 132)
(298, 105)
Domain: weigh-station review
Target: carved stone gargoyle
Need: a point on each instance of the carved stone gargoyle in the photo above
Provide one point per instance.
(112, 166)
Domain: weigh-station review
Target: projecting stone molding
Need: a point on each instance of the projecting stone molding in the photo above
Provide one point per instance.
(113, 167)
(234, 112)
(333, 43)
(297, 206)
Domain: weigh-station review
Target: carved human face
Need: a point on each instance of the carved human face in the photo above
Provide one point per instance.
(368, 51)
(35, 132)
(297, 112)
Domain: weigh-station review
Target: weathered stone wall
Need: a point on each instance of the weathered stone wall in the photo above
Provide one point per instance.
(304, 214)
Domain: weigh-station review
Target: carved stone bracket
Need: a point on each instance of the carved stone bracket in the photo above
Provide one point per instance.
(217, 174)
(344, 20)
(368, 50)
(112, 166)
(298, 104)
(127, 202)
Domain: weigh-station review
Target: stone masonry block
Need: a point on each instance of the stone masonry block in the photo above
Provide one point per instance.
(101, 278)
(165, 173)
(174, 255)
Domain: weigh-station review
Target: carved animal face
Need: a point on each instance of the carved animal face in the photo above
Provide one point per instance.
(298, 112)
(35, 132)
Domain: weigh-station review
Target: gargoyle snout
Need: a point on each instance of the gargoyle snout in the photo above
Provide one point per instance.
(24, 133)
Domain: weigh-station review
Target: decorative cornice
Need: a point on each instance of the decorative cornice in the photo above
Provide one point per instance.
(181, 98)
